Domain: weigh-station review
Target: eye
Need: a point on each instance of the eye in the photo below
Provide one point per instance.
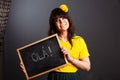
(56, 21)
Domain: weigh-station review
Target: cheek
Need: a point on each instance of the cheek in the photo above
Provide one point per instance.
(67, 23)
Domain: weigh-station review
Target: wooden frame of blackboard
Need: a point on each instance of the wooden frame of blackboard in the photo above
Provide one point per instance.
(41, 57)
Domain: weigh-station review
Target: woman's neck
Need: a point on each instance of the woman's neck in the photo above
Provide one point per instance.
(63, 36)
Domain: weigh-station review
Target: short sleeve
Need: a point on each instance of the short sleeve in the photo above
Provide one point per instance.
(83, 49)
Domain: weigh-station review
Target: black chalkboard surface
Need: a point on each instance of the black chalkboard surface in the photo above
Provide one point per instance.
(41, 56)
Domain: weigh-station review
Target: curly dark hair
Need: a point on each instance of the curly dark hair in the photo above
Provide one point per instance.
(59, 13)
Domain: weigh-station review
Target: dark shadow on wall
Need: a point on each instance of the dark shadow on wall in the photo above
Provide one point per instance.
(4, 10)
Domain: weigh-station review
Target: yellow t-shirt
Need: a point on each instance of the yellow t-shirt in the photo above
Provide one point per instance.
(78, 51)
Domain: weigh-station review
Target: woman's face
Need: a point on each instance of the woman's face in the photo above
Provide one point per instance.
(62, 24)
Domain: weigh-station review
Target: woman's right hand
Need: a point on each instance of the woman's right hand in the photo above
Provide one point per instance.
(22, 67)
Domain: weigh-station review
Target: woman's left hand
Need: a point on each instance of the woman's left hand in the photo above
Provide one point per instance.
(66, 53)
(83, 64)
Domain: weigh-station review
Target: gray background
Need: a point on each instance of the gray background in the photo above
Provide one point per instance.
(98, 21)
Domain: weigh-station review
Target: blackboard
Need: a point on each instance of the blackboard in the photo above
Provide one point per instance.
(42, 56)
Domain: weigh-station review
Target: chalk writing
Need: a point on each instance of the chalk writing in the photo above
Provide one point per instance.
(46, 52)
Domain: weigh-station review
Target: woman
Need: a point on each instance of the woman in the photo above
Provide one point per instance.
(73, 47)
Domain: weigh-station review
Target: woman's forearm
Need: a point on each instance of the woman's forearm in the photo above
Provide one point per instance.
(83, 64)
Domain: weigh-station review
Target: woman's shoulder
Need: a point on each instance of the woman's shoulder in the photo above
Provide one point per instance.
(77, 37)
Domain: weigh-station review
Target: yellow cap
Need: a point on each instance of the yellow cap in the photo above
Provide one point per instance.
(64, 7)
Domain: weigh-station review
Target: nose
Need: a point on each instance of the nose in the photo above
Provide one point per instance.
(62, 21)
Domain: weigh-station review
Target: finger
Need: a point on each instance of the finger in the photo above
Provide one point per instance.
(62, 49)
